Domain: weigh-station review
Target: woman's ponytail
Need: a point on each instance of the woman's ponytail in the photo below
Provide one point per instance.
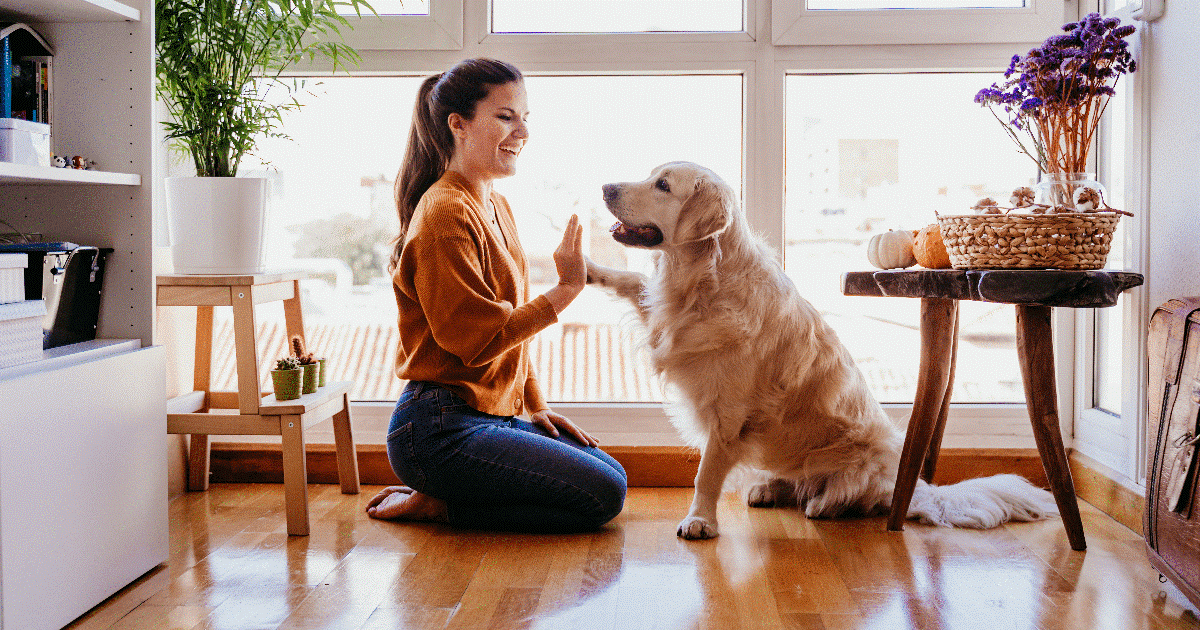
(430, 142)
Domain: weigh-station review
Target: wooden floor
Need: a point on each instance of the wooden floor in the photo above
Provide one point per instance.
(233, 566)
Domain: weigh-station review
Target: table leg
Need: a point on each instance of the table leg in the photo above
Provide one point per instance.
(1035, 347)
(935, 441)
(347, 457)
(938, 316)
(295, 475)
(198, 443)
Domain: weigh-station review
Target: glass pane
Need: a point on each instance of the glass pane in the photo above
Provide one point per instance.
(332, 212)
(844, 5)
(615, 16)
(1108, 379)
(868, 153)
(392, 7)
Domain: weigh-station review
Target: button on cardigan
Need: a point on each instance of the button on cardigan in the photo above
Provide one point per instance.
(463, 296)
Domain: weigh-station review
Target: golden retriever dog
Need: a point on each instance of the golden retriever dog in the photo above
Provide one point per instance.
(762, 380)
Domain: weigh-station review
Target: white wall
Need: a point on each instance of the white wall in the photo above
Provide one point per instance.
(1172, 63)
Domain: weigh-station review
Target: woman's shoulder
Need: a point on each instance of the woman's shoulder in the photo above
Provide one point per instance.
(444, 206)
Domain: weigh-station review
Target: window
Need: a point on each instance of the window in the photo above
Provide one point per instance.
(836, 22)
(332, 211)
(872, 152)
(617, 93)
(1110, 384)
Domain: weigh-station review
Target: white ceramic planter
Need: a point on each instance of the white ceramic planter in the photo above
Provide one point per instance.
(217, 223)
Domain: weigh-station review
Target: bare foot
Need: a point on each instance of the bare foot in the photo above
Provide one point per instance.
(401, 503)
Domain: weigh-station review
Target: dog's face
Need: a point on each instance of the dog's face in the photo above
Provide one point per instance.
(679, 203)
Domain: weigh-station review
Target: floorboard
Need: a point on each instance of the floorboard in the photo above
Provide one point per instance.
(233, 566)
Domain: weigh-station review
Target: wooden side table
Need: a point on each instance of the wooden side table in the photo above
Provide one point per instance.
(247, 411)
(1033, 292)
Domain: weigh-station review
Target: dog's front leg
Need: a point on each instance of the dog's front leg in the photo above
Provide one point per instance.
(715, 464)
(630, 285)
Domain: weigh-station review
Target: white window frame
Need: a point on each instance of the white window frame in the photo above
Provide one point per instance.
(1110, 439)
(764, 65)
(442, 29)
(793, 23)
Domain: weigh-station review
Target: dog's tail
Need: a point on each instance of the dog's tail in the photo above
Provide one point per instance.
(981, 503)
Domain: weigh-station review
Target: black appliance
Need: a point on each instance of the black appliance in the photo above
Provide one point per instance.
(68, 277)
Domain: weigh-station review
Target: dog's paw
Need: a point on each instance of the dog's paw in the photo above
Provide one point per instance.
(595, 273)
(761, 496)
(697, 528)
(774, 493)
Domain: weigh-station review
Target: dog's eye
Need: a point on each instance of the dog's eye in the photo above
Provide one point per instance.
(662, 185)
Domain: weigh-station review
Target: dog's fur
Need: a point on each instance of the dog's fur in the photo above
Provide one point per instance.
(765, 381)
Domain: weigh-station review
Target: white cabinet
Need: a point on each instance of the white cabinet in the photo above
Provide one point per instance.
(83, 497)
(83, 473)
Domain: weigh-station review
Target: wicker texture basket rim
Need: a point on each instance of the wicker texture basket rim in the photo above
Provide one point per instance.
(1029, 215)
(1076, 240)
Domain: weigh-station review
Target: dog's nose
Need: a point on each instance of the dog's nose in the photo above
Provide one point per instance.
(611, 192)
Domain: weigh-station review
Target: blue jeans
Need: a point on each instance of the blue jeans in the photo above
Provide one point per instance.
(499, 472)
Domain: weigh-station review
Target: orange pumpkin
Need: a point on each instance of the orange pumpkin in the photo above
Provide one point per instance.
(929, 249)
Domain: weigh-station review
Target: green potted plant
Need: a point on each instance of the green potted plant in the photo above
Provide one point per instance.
(217, 63)
(308, 363)
(286, 378)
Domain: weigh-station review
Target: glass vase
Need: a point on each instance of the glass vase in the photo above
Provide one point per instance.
(1057, 190)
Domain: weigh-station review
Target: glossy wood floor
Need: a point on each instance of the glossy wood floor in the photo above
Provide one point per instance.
(233, 566)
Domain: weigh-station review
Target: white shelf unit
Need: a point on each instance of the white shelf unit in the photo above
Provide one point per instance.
(70, 11)
(91, 416)
(20, 174)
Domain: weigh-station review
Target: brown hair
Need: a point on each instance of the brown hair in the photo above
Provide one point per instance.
(430, 142)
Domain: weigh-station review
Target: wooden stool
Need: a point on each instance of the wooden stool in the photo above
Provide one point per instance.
(247, 411)
(1033, 292)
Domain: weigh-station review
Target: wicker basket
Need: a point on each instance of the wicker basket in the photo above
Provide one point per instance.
(1028, 241)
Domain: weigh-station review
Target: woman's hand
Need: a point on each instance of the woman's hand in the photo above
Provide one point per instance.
(572, 270)
(552, 422)
(568, 258)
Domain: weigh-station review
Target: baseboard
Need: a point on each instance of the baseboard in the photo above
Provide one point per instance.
(1102, 487)
(645, 465)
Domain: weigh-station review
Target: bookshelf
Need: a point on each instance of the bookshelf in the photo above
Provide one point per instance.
(93, 415)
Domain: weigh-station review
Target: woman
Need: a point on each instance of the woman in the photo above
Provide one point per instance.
(461, 285)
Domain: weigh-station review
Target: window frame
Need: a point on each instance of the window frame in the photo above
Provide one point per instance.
(1111, 439)
(764, 64)
(442, 29)
(793, 23)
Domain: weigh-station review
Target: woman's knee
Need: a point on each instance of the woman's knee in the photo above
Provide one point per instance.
(609, 489)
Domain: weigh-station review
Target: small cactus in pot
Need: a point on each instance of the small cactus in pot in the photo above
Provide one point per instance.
(286, 378)
(310, 365)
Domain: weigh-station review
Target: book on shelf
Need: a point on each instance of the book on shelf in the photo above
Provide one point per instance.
(26, 74)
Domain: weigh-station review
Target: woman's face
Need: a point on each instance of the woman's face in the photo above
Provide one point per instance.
(487, 146)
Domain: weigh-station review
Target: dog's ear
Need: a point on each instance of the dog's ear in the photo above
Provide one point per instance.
(706, 213)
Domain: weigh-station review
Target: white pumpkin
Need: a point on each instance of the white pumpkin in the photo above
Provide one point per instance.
(891, 250)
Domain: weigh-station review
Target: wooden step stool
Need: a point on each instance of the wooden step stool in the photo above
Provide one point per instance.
(247, 411)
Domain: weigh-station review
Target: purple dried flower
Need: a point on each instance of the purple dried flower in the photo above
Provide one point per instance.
(1061, 87)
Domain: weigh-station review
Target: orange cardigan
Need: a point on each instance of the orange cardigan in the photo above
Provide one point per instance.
(465, 316)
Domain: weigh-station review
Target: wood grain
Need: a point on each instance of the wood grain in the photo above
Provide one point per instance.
(232, 566)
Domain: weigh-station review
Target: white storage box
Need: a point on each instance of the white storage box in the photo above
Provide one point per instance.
(12, 277)
(21, 332)
(24, 142)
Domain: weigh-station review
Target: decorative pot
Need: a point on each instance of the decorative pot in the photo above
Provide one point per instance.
(286, 383)
(312, 376)
(217, 224)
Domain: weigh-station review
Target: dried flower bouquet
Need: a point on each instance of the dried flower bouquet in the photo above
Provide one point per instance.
(1052, 98)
